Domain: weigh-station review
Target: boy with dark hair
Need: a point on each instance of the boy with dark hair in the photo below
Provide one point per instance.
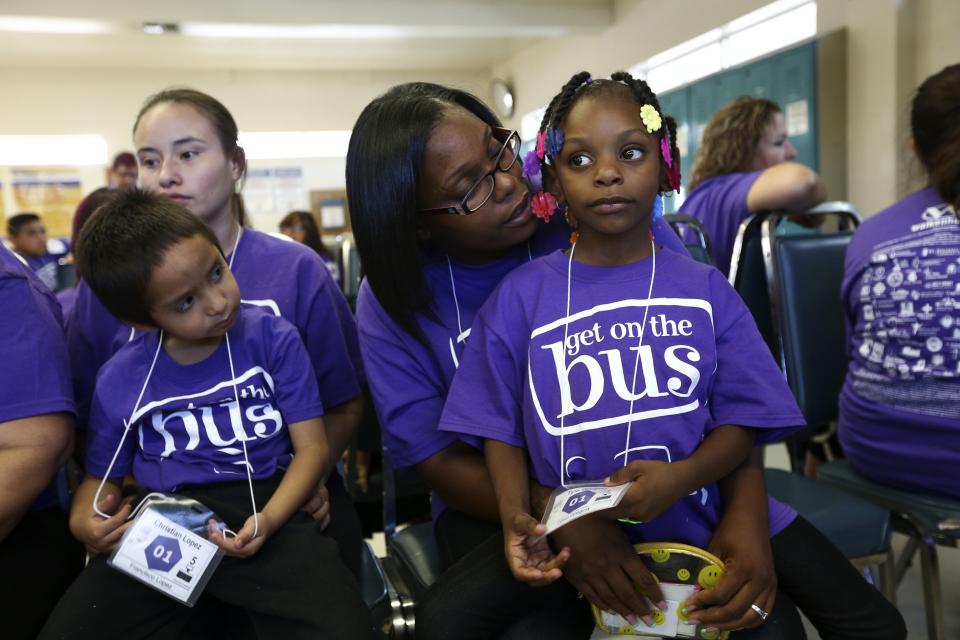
(220, 402)
(29, 239)
(123, 173)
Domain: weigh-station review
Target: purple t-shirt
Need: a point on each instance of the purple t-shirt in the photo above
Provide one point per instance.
(35, 377)
(284, 277)
(568, 401)
(46, 269)
(188, 426)
(900, 404)
(410, 379)
(721, 205)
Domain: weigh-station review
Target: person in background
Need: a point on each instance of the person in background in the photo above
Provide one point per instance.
(123, 172)
(302, 227)
(745, 164)
(28, 237)
(68, 296)
(38, 555)
(900, 404)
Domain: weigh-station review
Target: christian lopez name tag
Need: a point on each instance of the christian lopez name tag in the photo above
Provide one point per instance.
(166, 556)
(566, 504)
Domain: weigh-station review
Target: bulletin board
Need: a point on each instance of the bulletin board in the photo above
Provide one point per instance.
(51, 193)
(331, 210)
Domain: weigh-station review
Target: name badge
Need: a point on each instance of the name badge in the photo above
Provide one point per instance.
(166, 556)
(566, 504)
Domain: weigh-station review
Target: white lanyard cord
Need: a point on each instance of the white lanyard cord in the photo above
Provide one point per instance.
(236, 243)
(566, 330)
(636, 362)
(453, 288)
(243, 443)
(126, 430)
(456, 303)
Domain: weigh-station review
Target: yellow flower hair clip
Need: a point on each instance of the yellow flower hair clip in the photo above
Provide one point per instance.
(650, 117)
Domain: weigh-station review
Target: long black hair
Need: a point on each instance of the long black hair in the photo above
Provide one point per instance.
(935, 123)
(384, 167)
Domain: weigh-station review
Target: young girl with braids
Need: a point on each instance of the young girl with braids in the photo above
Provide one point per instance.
(613, 360)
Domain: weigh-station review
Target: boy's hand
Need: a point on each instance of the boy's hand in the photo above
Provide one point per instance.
(318, 506)
(99, 534)
(528, 553)
(244, 544)
(656, 486)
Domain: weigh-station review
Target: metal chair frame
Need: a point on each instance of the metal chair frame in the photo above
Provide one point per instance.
(703, 239)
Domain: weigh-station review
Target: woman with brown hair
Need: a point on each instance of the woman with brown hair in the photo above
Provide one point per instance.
(745, 165)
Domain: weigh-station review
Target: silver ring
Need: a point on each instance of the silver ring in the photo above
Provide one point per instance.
(760, 612)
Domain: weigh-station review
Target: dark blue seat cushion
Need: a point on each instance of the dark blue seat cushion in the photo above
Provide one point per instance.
(415, 549)
(925, 510)
(855, 526)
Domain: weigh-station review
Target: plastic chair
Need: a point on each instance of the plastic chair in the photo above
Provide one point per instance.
(804, 273)
(701, 249)
(928, 521)
(413, 560)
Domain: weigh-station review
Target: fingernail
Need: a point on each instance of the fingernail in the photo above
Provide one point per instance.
(693, 621)
(632, 619)
(647, 620)
(662, 605)
(706, 631)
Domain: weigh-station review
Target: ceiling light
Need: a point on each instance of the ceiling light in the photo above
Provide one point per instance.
(31, 24)
(68, 150)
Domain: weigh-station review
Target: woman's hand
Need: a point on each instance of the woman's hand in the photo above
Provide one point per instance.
(748, 578)
(655, 487)
(605, 568)
(528, 553)
(244, 544)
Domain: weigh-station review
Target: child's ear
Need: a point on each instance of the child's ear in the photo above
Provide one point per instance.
(552, 184)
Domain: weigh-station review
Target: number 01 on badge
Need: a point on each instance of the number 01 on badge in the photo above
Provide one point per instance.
(166, 556)
(566, 504)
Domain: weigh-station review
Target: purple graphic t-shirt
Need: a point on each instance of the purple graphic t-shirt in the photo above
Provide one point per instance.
(900, 405)
(565, 393)
(188, 426)
(46, 269)
(410, 379)
(284, 277)
(721, 205)
(35, 377)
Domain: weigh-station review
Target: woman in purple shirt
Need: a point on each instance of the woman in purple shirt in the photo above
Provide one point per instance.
(745, 165)
(420, 154)
(900, 404)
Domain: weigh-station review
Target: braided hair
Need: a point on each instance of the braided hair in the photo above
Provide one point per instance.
(580, 85)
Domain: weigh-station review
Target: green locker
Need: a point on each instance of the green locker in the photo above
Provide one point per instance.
(789, 78)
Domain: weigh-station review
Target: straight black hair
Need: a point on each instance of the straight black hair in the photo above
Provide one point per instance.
(125, 240)
(384, 167)
(14, 223)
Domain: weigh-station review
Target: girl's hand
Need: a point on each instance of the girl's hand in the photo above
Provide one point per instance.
(99, 534)
(748, 578)
(656, 486)
(244, 544)
(318, 506)
(605, 568)
(528, 553)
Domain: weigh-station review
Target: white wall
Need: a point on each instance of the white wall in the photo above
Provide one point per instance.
(106, 102)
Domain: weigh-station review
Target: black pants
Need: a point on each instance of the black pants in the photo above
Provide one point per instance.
(295, 587)
(479, 598)
(39, 560)
(344, 527)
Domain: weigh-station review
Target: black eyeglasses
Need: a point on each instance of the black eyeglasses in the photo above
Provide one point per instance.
(482, 189)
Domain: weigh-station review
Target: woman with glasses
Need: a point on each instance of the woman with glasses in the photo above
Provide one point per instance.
(441, 214)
